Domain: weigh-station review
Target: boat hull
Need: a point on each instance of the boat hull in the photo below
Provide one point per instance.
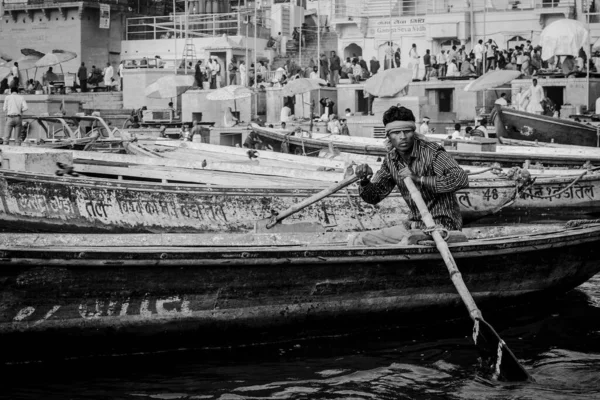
(33, 202)
(521, 125)
(314, 146)
(86, 293)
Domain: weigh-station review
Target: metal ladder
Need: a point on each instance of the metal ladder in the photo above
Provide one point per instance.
(189, 51)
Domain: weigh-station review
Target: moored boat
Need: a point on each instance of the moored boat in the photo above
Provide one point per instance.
(34, 201)
(506, 156)
(521, 125)
(200, 289)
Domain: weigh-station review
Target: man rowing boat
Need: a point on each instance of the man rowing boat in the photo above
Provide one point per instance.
(434, 172)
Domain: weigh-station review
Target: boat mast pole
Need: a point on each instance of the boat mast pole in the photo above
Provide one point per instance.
(318, 43)
(589, 57)
(391, 47)
(186, 36)
(174, 38)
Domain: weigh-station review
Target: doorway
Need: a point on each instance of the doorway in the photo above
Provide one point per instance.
(445, 99)
(352, 50)
(362, 103)
(556, 95)
(221, 57)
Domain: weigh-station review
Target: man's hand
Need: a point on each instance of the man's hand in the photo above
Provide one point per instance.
(364, 172)
(407, 173)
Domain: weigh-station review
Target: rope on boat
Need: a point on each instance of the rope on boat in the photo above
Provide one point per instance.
(496, 168)
(439, 228)
(564, 189)
(354, 210)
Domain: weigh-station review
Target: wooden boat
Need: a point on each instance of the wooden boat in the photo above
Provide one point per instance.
(79, 132)
(506, 156)
(111, 293)
(515, 124)
(39, 201)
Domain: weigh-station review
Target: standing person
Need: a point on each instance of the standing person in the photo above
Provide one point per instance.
(461, 56)
(278, 43)
(374, 66)
(490, 55)
(397, 58)
(363, 64)
(535, 94)
(344, 128)
(334, 67)
(15, 73)
(441, 59)
(198, 76)
(120, 73)
(14, 107)
(388, 58)
(243, 76)
(108, 76)
(324, 66)
(427, 63)
(213, 67)
(427, 164)
(232, 71)
(414, 59)
(478, 50)
(315, 73)
(82, 75)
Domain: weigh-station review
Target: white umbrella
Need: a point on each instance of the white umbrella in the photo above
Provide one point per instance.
(389, 82)
(56, 57)
(231, 92)
(564, 37)
(169, 86)
(492, 80)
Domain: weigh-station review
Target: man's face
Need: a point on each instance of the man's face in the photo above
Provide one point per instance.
(332, 53)
(402, 140)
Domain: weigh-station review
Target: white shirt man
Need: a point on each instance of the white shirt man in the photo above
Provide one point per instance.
(14, 107)
(502, 101)
(424, 128)
(314, 75)
(286, 112)
(478, 50)
(108, 74)
(414, 60)
(243, 74)
(452, 69)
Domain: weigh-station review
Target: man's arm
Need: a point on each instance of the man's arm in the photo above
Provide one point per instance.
(449, 176)
(380, 186)
(24, 106)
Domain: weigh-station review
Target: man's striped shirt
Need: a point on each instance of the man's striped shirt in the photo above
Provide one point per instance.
(442, 176)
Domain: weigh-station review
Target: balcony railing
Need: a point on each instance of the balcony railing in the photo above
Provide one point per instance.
(21, 4)
(345, 9)
(205, 25)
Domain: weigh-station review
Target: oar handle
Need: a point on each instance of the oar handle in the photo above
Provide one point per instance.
(442, 247)
(313, 199)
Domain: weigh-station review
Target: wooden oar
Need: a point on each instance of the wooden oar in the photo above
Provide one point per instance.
(504, 365)
(265, 225)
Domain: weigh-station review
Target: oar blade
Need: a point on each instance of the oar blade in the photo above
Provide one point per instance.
(497, 360)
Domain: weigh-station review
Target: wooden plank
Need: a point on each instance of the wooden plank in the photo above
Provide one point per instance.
(263, 155)
(206, 177)
(252, 171)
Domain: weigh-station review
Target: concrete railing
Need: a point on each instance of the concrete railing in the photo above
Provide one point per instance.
(348, 9)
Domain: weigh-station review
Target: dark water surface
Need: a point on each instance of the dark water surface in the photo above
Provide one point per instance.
(558, 342)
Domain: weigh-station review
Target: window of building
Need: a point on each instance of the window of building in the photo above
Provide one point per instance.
(445, 100)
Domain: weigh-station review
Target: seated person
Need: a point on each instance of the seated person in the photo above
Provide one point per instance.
(433, 171)
(49, 77)
(333, 126)
(253, 141)
(467, 69)
(356, 74)
(229, 119)
(457, 134)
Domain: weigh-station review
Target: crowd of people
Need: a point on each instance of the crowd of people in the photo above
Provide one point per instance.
(51, 79)
(483, 57)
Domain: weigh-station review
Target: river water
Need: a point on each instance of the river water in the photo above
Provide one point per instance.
(558, 343)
